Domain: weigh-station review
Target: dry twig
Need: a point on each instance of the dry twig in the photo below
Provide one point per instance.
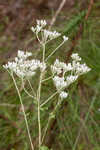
(57, 13)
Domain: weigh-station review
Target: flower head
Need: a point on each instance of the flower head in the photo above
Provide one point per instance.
(60, 67)
(22, 67)
(59, 82)
(65, 38)
(63, 95)
(76, 57)
(50, 35)
(40, 25)
(70, 72)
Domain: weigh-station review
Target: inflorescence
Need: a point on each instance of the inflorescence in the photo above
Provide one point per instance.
(25, 68)
(22, 67)
(46, 34)
(69, 73)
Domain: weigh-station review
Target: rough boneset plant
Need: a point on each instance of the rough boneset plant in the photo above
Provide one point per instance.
(25, 68)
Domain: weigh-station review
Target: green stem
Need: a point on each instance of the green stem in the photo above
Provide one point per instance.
(26, 122)
(31, 88)
(54, 51)
(43, 52)
(38, 99)
(49, 99)
(39, 95)
(49, 119)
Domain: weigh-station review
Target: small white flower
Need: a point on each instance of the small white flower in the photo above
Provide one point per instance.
(41, 23)
(6, 66)
(55, 70)
(68, 67)
(83, 68)
(20, 53)
(63, 95)
(59, 82)
(80, 69)
(23, 55)
(76, 57)
(28, 54)
(42, 66)
(70, 79)
(49, 35)
(33, 29)
(38, 28)
(54, 35)
(65, 38)
(60, 67)
(16, 59)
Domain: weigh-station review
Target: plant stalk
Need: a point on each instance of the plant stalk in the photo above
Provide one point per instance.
(23, 110)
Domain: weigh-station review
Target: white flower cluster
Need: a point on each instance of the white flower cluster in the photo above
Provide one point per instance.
(79, 68)
(75, 69)
(76, 57)
(22, 67)
(59, 82)
(63, 82)
(58, 67)
(49, 35)
(46, 35)
(70, 79)
(40, 25)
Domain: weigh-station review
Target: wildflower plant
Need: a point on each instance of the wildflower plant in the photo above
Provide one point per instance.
(62, 75)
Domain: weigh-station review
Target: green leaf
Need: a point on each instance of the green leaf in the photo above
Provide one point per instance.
(44, 148)
(74, 22)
